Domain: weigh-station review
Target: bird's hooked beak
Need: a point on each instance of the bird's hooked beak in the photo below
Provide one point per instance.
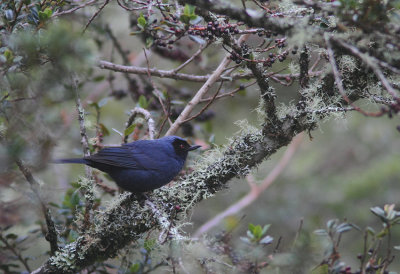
(193, 148)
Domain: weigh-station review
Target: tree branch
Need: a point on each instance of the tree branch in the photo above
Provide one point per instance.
(202, 91)
(242, 15)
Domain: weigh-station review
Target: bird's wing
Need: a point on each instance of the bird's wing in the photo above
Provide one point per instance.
(123, 156)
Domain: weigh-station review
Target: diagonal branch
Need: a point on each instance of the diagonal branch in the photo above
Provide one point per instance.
(127, 218)
(202, 91)
(51, 235)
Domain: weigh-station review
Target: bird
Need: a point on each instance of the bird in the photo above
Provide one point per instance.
(142, 165)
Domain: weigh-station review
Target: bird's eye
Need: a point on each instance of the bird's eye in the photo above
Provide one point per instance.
(181, 146)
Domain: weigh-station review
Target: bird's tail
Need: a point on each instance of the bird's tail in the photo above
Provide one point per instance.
(69, 161)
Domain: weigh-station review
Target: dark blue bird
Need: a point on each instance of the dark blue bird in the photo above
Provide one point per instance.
(140, 166)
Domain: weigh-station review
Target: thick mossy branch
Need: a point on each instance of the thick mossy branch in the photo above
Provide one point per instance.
(127, 218)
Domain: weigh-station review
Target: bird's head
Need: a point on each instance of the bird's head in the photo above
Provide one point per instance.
(180, 145)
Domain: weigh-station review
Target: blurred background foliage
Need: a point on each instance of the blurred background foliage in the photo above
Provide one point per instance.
(341, 170)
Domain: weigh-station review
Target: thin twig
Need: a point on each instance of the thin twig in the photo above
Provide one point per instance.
(81, 119)
(51, 236)
(15, 252)
(255, 190)
(73, 9)
(202, 91)
(197, 53)
(206, 106)
(231, 93)
(95, 15)
(89, 195)
(189, 77)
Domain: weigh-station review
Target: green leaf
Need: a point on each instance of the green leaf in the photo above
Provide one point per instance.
(185, 18)
(143, 102)
(9, 56)
(11, 236)
(142, 23)
(48, 12)
(134, 268)
(74, 201)
(149, 244)
(149, 42)
(251, 227)
(45, 15)
(54, 204)
(256, 231)
(322, 269)
(104, 129)
(189, 10)
(129, 130)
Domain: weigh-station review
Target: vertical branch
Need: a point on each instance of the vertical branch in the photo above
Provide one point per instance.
(304, 77)
(89, 195)
(304, 64)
